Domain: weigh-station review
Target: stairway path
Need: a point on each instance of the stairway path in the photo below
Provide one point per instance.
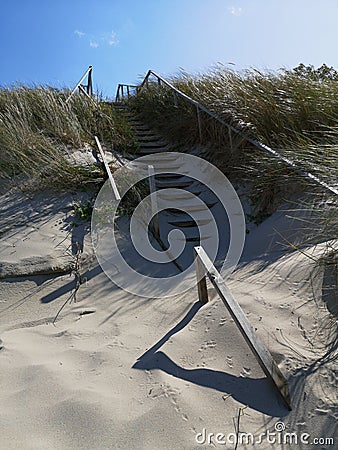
(189, 209)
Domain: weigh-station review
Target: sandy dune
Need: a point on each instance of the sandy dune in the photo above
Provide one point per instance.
(121, 371)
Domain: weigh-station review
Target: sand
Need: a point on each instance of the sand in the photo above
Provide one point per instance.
(117, 371)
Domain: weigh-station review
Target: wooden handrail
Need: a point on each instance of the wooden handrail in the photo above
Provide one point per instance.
(110, 175)
(121, 87)
(231, 128)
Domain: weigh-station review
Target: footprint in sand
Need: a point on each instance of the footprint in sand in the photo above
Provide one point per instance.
(187, 360)
(332, 376)
(115, 343)
(246, 371)
(207, 344)
(229, 361)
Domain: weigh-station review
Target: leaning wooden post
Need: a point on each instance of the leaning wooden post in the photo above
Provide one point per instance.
(201, 279)
(199, 122)
(154, 208)
(110, 176)
(257, 347)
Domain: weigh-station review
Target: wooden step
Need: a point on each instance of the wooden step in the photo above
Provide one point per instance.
(182, 196)
(192, 208)
(178, 184)
(151, 140)
(147, 132)
(153, 144)
(194, 238)
(168, 176)
(189, 223)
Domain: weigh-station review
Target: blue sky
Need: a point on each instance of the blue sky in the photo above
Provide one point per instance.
(54, 42)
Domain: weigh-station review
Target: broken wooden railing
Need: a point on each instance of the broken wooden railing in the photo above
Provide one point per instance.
(205, 268)
(86, 89)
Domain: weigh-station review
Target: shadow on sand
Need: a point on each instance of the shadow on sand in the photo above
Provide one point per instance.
(258, 394)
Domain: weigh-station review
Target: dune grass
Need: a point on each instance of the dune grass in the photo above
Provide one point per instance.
(293, 111)
(38, 130)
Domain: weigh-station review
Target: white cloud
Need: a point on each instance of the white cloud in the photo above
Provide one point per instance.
(235, 11)
(112, 40)
(79, 33)
(94, 41)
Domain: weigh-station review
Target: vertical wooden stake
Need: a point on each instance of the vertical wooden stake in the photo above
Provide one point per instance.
(154, 208)
(175, 100)
(230, 137)
(201, 279)
(90, 82)
(199, 122)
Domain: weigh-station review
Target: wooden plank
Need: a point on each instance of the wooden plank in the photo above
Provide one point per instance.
(261, 353)
(154, 208)
(110, 176)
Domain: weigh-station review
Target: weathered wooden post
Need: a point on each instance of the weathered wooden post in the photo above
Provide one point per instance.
(201, 279)
(154, 208)
(199, 122)
(90, 81)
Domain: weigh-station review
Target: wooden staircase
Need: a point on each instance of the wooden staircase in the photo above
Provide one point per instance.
(179, 209)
